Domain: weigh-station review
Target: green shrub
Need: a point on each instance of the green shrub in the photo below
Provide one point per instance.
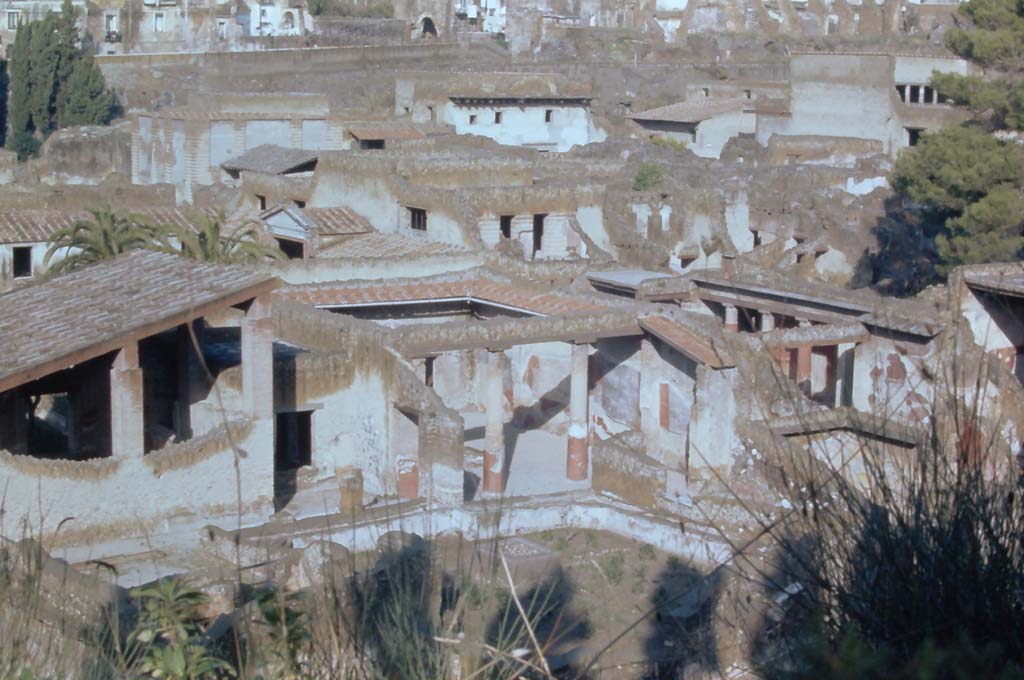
(669, 143)
(614, 567)
(648, 175)
(24, 144)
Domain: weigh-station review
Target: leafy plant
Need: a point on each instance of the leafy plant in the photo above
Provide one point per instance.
(169, 636)
(208, 239)
(614, 567)
(107, 234)
(288, 632)
(648, 175)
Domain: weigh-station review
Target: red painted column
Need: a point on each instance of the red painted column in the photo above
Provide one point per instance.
(494, 430)
(577, 465)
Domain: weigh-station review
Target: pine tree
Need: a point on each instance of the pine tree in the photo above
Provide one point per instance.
(964, 183)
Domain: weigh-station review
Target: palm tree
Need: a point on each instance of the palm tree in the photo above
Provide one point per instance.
(107, 233)
(208, 239)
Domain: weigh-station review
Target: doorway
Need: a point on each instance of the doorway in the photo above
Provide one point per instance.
(293, 449)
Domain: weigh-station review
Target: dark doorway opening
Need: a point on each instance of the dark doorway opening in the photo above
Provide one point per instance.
(538, 232)
(913, 136)
(22, 264)
(293, 449)
(506, 226)
(293, 250)
(428, 27)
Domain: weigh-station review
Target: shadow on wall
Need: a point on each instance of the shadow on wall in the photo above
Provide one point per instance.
(906, 258)
(682, 642)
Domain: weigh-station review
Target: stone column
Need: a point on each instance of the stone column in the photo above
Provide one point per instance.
(555, 243)
(767, 321)
(522, 231)
(803, 366)
(127, 424)
(846, 353)
(494, 431)
(577, 461)
(732, 317)
(649, 406)
(258, 359)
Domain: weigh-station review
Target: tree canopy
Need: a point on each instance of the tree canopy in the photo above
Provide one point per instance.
(965, 183)
(53, 82)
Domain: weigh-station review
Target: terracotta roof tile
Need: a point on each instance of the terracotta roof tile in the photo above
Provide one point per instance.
(690, 342)
(271, 159)
(79, 315)
(385, 132)
(385, 246)
(37, 226)
(694, 111)
(532, 300)
(334, 221)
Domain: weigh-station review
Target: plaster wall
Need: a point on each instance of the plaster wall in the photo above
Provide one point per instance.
(889, 382)
(713, 134)
(668, 383)
(38, 260)
(352, 429)
(346, 269)
(713, 440)
(591, 221)
(371, 197)
(525, 125)
(908, 69)
(993, 323)
(131, 496)
(844, 95)
(737, 222)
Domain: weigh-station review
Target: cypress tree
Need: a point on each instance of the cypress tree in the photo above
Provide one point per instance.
(84, 98)
(3, 102)
(45, 63)
(53, 82)
(19, 112)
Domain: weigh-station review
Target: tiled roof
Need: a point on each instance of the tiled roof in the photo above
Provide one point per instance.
(48, 326)
(1005, 278)
(815, 335)
(37, 226)
(847, 418)
(271, 159)
(374, 245)
(693, 343)
(187, 114)
(334, 221)
(693, 111)
(906, 316)
(385, 132)
(532, 300)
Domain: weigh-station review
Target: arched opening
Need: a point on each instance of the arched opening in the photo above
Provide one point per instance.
(428, 28)
(288, 22)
